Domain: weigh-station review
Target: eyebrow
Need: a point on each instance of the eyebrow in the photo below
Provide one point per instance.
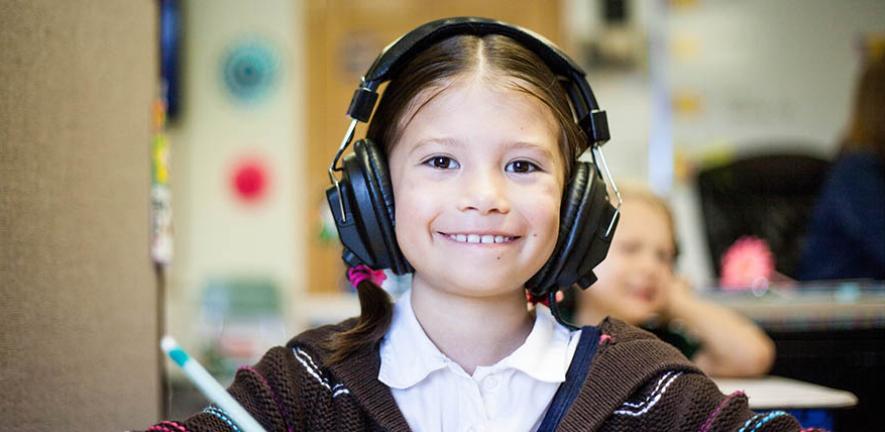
(533, 146)
(447, 142)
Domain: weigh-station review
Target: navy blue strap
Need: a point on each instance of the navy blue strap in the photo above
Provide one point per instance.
(574, 379)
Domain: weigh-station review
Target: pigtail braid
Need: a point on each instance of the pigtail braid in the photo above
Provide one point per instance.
(376, 312)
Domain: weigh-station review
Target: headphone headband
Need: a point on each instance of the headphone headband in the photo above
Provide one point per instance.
(393, 58)
(386, 64)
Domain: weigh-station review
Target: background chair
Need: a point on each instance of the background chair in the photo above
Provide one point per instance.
(769, 196)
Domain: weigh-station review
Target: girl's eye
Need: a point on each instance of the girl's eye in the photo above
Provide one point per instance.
(630, 247)
(664, 257)
(522, 166)
(442, 162)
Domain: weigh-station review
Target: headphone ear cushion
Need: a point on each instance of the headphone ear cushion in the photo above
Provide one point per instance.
(572, 200)
(590, 243)
(582, 243)
(373, 164)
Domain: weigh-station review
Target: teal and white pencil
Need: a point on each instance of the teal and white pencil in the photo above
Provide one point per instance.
(209, 386)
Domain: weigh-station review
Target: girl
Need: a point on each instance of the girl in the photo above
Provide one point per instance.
(636, 284)
(480, 142)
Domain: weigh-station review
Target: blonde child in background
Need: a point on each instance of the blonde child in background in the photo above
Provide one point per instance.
(637, 284)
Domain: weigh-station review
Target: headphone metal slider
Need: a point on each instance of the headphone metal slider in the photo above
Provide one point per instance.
(362, 103)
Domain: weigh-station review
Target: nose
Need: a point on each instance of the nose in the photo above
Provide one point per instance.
(650, 264)
(485, 192)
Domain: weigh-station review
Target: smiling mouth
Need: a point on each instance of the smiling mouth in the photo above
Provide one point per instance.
(479, 238)
(646, 295)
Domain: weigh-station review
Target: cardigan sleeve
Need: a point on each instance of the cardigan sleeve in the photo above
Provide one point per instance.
(689, 401)
(268, 390)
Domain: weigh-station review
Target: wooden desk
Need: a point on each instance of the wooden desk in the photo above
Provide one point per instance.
(832, 335)
(783, 393)
(841, 307)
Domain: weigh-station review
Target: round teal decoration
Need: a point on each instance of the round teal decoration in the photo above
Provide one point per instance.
(250, 69)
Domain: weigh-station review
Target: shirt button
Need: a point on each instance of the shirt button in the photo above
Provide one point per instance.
(490, 383)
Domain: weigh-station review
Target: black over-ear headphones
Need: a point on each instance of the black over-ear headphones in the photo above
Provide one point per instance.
(362, 200)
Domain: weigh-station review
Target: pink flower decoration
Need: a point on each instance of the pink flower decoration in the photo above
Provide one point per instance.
(747, 264)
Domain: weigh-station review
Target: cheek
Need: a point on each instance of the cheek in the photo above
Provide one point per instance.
(541, 204)
(604, 273)
(607, 286)
(606, 293)
(611, 269)
(410, 204)
(541, 207)
(416, 207)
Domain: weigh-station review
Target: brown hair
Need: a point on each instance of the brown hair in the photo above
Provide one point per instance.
(496, 58)
(866, 130)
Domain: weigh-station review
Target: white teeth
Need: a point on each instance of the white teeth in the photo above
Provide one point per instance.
(477, 239)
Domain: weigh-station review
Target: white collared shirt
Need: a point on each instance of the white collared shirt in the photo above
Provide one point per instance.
(435, 394)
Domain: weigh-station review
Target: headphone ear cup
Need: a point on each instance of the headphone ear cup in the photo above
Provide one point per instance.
(378, 200)
(542, 281)
(582, 243)
(591, 226)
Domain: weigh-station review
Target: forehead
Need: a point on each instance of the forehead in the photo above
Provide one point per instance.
(640, 209)
(640, 217)
(478, 108)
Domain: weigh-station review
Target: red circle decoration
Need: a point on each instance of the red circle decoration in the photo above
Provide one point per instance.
(250, 180)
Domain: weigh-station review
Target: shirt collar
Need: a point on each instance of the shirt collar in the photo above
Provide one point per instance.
(546, 353)
(408, 356)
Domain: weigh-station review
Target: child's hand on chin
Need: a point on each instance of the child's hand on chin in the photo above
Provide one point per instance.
(677, 296)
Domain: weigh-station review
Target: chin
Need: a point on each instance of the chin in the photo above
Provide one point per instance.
(641, 319)
(486, 286)
(636, 314)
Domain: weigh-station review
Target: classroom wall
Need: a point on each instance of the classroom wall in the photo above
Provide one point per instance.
(753, 76)
(737, 75)
(221, 238)
(724, 78)
(766, 72)
(78, 328)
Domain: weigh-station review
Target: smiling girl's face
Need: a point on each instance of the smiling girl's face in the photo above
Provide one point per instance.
(477, 176)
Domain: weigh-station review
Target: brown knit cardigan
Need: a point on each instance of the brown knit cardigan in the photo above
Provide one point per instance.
(635, 383)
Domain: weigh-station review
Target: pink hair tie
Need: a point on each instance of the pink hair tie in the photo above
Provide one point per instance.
(357, 274)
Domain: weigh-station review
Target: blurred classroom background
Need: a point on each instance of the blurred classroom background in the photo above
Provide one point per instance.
(164, 165)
